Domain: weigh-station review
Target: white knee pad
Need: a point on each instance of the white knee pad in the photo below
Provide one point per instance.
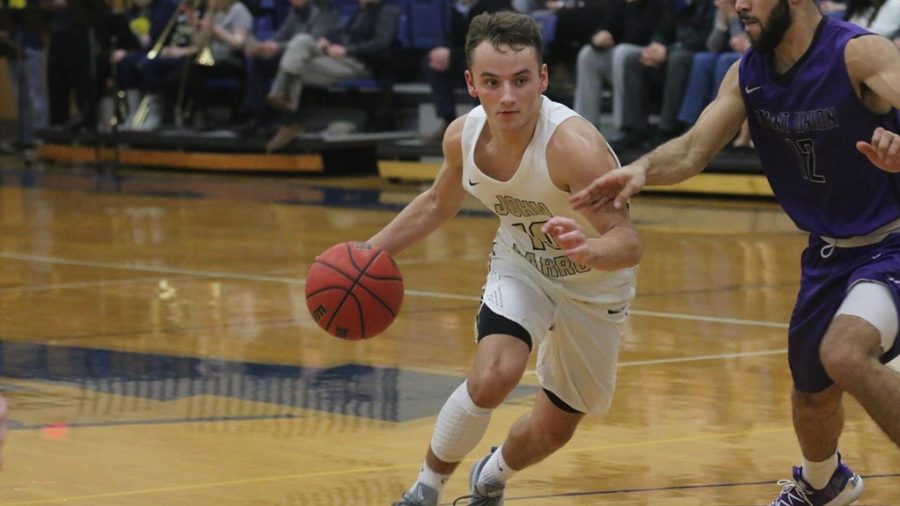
(460, 426)
(873, 303)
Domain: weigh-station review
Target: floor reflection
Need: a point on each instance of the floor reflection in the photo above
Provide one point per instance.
(378, 393)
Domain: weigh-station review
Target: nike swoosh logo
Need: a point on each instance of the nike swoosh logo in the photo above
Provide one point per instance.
(748, 90)
(473, 183)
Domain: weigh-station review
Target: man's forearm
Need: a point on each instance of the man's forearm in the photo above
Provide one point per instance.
(672, 162)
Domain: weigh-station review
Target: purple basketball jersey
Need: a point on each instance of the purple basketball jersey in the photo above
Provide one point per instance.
(805, 125)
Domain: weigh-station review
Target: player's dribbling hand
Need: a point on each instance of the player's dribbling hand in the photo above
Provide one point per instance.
(569, 237)
(616, 185)
(883, 151)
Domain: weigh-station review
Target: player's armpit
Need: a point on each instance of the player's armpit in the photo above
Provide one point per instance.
(875, 62)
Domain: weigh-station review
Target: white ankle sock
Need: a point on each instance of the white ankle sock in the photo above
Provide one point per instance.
(817, 474)
(496, 470)
(431, 478)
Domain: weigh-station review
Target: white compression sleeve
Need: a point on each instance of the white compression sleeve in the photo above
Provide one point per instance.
(460, 426)
(873, 303)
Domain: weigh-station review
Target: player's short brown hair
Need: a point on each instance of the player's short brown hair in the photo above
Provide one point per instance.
(505, 28)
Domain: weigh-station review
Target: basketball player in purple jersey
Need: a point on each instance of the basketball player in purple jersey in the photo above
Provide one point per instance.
(821, 97)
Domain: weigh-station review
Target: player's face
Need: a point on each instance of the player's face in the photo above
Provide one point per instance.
(508, 83)
(765, 27)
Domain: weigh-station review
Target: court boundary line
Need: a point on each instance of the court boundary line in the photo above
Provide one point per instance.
(163, 421)
(79, 285)
(299, 282)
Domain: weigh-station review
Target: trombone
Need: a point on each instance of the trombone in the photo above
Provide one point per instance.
(204, 57)
(167, 32)
(143, 108)
(204, 40)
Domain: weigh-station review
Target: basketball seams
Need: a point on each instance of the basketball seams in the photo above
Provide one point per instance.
(362, 318)
(382, 278)
(348, 292)
(362, 272)
(351, 263)
(378, 298)
(334, 268)
(359, 310)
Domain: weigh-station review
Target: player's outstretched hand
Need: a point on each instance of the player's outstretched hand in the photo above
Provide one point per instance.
(616, 185)
(883, 151)
(570, 238)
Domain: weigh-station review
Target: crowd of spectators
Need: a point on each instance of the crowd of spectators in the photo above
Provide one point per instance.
(641, 70)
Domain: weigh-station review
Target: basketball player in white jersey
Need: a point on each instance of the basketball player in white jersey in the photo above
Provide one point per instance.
(559, 281)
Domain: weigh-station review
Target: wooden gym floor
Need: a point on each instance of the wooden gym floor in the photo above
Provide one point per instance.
(155, 348)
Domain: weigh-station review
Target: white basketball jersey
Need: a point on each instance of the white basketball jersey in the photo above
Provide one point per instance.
(528, 200)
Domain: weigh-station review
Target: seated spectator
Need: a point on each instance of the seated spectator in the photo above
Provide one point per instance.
(178, 72)
(877, 16)
(724, 46)
(219, 49)
(148, 20)
(443, 66)
(161, 74)
(627, 25)
(575, 22)
(664, 64)
(358, 49)
(304, 17)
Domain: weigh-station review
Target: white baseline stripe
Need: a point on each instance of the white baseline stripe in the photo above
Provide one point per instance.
(697, 358)
(638, 312)
(441, 295)
(297, 281)
(702, 357)
(152, 268)
(83, 284)
(713, 319)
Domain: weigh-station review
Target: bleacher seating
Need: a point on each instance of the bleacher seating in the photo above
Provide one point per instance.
(394, 104)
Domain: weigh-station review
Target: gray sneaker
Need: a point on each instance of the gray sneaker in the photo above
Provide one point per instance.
(420, 495)
(483, 494)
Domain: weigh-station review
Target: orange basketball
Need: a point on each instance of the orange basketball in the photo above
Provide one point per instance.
(354, 290)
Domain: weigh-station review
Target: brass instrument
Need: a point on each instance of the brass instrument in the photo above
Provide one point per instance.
(166, 33)
(204, 42)
(206, 57)
(143, 108)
